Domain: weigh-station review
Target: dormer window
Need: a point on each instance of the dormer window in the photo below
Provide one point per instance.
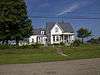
(42, 32)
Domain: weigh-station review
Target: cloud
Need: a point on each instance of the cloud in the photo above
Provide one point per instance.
(72, 8)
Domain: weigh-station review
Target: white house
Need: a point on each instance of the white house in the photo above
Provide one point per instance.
(39, 37)
(54, 33)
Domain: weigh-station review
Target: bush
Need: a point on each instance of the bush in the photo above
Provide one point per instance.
(76, 43)
(7, 46)
(29, 46)
(20, 47)
(37, 45)
(62, 44)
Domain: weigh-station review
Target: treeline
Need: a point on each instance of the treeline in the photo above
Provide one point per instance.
(94, 40)
(14, 23)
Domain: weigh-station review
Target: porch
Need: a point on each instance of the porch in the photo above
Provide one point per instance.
(66, 38)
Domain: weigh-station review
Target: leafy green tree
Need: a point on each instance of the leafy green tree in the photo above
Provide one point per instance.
(14, 23)
(83, 33)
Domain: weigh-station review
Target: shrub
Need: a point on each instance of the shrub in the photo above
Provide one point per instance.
(62, 44)
(37, 45)
(7, 46)
(76, 43)
(20, 47)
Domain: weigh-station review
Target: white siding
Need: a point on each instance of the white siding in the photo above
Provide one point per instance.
(37, 39)
(53, 32)
(33, 39)
(73, 37)
(44, 40)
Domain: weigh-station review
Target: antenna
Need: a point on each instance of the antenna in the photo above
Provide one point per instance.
(58, 19)
(45, 22)
(62, 19)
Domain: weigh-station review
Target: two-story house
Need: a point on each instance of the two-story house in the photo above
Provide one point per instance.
(54, 33)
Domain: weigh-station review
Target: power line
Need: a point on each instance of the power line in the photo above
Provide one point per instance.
(90, 12)
(77, 17)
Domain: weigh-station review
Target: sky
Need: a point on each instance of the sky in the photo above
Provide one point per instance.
(80, 13)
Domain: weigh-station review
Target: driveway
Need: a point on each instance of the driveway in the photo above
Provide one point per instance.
(72, 67)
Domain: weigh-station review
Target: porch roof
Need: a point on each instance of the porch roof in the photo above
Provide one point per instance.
(65, 34)
(68, 33)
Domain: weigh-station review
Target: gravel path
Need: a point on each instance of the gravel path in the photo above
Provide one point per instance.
(72, 67)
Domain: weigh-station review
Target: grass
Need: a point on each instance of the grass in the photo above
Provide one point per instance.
(17, 56)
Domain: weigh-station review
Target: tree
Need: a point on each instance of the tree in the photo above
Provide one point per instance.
(83, 33)
(14, 23)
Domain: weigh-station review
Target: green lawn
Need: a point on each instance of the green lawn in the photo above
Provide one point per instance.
(14, 56)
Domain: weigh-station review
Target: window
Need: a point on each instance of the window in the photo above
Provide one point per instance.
(32, 40)
(53, 38)
(57, 38)
(56, 29)
(39, 39)
(42, 32)
(60, 38)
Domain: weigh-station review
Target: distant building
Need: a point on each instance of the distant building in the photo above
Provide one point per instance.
(54, 33)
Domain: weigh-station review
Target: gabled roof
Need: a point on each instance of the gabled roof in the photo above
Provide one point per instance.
(65, 26)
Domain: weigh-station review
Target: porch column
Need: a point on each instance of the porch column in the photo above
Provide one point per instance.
(63, 38)
(55, 38)
(68, 38)
(59, 38)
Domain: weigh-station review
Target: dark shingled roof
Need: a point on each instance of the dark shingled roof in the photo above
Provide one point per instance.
(38, 31)
(67, 27)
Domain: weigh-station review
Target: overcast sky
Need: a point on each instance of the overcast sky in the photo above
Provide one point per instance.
(89, 9)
